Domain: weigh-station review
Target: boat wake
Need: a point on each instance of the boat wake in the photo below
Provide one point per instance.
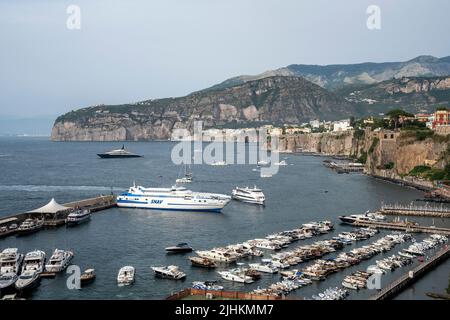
(46, 188)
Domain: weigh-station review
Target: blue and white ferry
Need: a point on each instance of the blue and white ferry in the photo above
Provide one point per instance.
(174, 198)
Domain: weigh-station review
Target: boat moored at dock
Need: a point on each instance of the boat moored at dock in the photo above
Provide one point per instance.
(10, 261)
(78, 217)
(59, 260)
(30, 226)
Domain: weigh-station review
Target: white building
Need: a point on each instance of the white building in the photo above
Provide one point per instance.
(342, 125)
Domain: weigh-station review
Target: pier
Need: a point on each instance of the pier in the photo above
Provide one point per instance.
(57, 219)
(414, 210)
(401, 283)
(402, 227)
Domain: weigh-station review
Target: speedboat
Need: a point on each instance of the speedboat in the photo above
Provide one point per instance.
(59, 260)
(174, 198)
(10, 261)
(250, 195)
(118, 153)
(202, 262)
(29, 226)
(170, 272)
(125, 276)
(29, 279)
(236, 276)
(207, 285)
(264, 267)
(179, 248)
(77, 217)
(7, 281)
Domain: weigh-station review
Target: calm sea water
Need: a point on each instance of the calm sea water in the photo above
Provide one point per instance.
(34, 170)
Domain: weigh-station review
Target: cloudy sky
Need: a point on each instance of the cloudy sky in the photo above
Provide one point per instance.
(132, 50)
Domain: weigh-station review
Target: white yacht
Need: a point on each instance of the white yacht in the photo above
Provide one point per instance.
(34, 260)
(250, 195)
(125, 276)
(7, 281)
(281, 163)
(219, 163)
(175, 198)
(367, 217)
(10, 261)
(28, 280)
(217, 255)
(235, 275)
(59, 260)
(170, 272)
(266, 267)
(77, 217)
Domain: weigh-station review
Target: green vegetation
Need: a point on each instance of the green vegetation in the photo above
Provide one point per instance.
(396, 114)
(375, 142)
(358, 134)
(363, 157)
(431, 173)
(389, 166)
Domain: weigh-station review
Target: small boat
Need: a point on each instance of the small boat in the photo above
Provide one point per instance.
(187, 178)
(267, 267)
(202, 262)
(281, 163)
(235, 276)
(170, 272)
(28, 280)
(59, 261)
(29, 226)
(207, 285)
(125, 276)
(179, 248)
(87, 276)
(219, 163)
(118, 153)
(78, 217)
(263, 163)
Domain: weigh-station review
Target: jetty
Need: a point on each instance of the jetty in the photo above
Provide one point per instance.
(344, 167)
(416, 210)
(402, 226)
(54, 214)
(407, 279)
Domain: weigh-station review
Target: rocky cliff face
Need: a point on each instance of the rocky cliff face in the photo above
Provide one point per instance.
(270, 100)
(389, 154)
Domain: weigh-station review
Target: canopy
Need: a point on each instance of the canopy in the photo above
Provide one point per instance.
(51, 207)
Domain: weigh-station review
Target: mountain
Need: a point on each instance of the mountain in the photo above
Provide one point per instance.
(339, 75)
(275, 100)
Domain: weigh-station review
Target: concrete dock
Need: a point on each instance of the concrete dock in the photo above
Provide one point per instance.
(413, 210)
(402, 227)
(407, 279)
(54, 220)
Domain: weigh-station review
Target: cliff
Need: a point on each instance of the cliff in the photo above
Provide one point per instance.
(275, 100)
(386, 154)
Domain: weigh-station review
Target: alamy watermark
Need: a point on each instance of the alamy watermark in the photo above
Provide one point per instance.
(374, 20)
(73, 21)
(235, 148)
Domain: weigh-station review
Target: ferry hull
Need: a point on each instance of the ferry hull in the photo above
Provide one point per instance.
(170, 206)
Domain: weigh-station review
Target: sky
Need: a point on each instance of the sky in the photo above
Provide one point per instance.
(133, 50)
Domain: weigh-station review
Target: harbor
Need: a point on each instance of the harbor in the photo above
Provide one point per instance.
(104, 242)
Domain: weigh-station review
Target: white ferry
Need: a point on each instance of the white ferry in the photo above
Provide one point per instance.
(174, 198)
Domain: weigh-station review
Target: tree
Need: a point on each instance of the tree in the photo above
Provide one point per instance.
(395, 114)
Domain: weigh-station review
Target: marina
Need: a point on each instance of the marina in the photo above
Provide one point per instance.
(114, 227)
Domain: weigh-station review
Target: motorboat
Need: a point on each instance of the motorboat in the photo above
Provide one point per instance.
(59, 260)
(174, 198)
(281, 163)
(206, 285)
(219, 163)
(249, 195)
(125, 276)
(10, 261)
(235, 275)
(187, 178)
(78, 217)
(169, 272)
(179, 248)
(87, 276)
(219, 255)
(7, 281)
(28, 280)
(202, 262)
(30, 226)
(264, 267)
(367, 217)
(118, 153)
(34, 260)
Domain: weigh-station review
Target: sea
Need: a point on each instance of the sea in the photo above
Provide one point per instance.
(33, 170)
